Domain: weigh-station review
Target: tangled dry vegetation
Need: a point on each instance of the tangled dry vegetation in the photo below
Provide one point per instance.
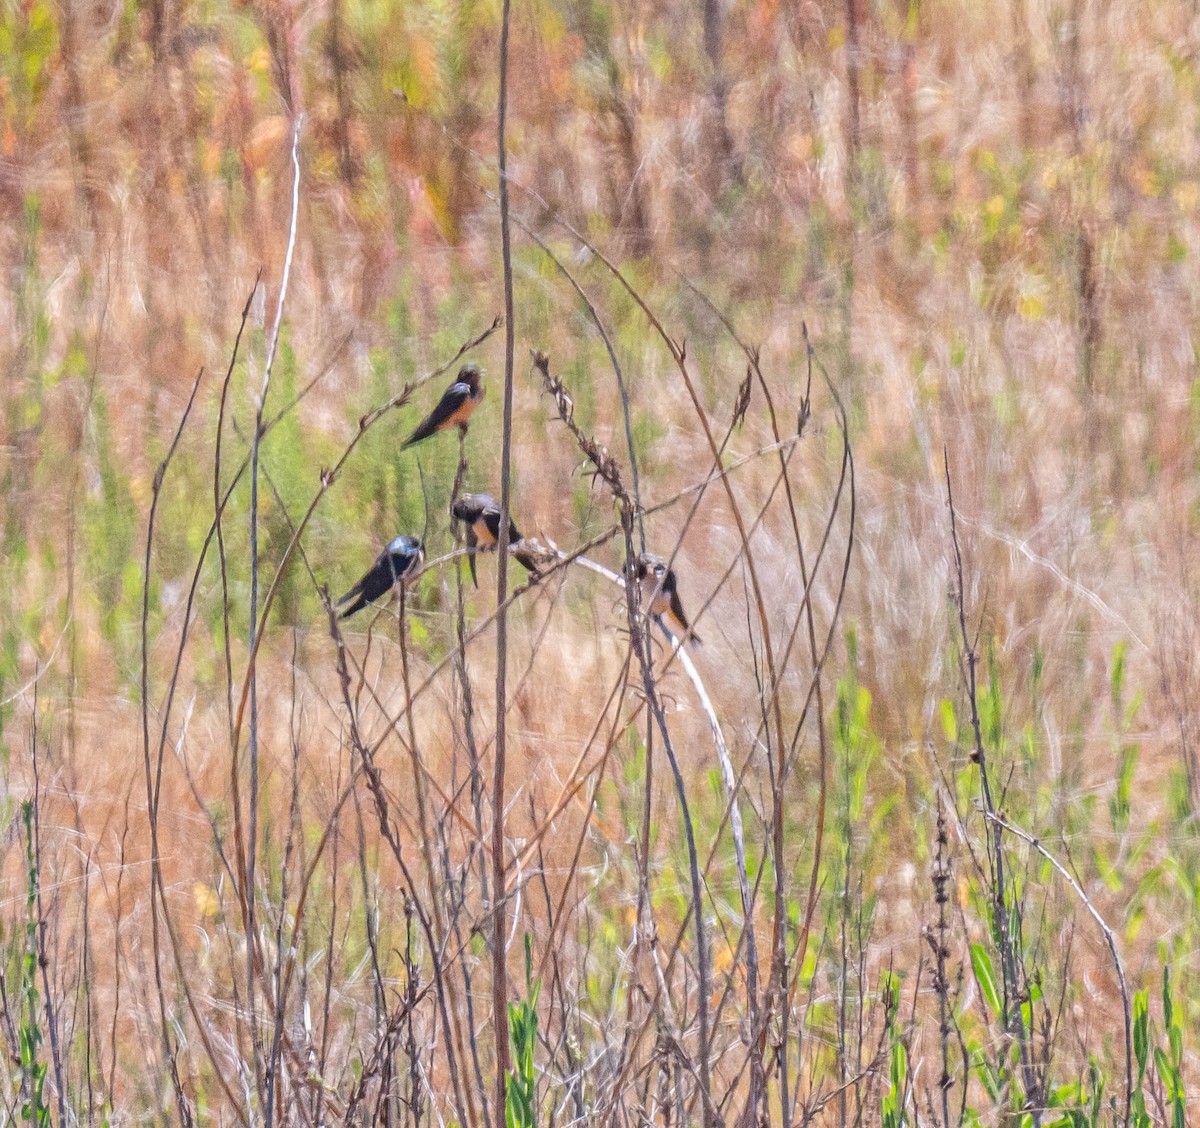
(877, 320)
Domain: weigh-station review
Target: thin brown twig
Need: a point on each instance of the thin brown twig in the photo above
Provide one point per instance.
(499, 902)
(375, 784)
(154, 778)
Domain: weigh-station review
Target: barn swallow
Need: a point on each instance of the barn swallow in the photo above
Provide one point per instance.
(455, 406)
(481, 514)
(660, 595)
(403, 555)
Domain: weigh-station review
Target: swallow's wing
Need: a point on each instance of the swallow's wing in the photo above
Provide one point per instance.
(677, 609)
(678, 615)
(376, 583)
(525, 558)
(491, 519)
(358, 594)
(472, 541)
(355, 590)
(381, 578)
(442, 416)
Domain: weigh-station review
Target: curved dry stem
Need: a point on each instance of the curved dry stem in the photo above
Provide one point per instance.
(622, 389)
(153, 789)
(1109, 938)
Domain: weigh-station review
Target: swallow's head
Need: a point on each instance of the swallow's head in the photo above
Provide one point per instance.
(471, 375)
(470, 507)
(410, 547)
(649, 567)
(652, 577)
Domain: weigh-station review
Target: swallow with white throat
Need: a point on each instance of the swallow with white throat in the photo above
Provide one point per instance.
(402, 556)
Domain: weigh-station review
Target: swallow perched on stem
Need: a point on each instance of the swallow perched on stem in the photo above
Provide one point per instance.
(660, 594)
(402, 556)
(480, 513)
(455, 406)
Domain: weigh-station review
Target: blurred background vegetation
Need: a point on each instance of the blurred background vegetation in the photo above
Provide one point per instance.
(986, 215)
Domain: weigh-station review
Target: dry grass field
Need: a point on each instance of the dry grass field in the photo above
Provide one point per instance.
(910, 839)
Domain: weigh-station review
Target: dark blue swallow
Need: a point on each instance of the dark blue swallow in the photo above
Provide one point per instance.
(660, 595)
(480, 513)
(455, 406)
(403, 555)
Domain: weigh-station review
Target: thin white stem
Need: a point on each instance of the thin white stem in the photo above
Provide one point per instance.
(728, 775)
(252, 847)
(1109, 936)
(287, 260)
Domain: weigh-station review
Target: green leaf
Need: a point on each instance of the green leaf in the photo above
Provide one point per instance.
(899, 1066)
(981, 964)
(987, 1077)
(1141, 1032)
(1096, 1082)
(1166, 1071)
(1168, 1008)
(1117, 676)
(949, 721)
(809, 968)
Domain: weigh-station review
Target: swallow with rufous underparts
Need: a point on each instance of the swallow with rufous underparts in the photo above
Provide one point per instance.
(401, 557)
(660, 595)
(455, 406)
(480, 513)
